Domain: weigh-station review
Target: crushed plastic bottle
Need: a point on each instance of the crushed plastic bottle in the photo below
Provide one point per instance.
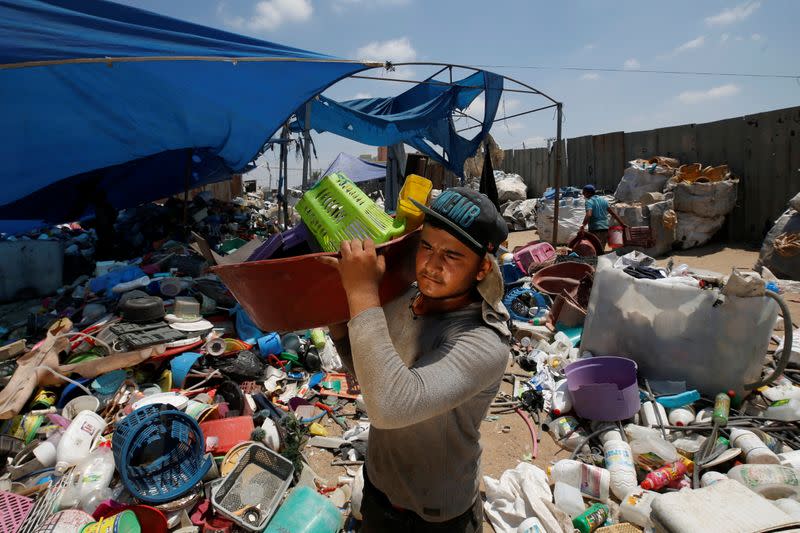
(96, 473)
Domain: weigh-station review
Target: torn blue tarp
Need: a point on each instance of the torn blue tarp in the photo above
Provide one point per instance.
(100, 95)
(421, 117)
(356, 168)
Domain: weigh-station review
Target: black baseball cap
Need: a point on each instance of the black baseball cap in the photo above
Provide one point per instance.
(469, 216)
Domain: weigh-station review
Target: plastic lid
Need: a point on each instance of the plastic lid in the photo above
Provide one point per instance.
(105, 444)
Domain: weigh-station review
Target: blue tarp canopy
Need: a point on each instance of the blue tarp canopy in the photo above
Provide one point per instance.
(420, 117)
(96, 95)
(356, 168)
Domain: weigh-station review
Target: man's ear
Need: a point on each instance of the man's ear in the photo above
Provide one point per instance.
(484, 269)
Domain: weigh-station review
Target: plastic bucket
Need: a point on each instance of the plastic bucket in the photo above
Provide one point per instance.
(124, 522)
(306, 511)
(615, 237)
(604, 388)
(270, 344)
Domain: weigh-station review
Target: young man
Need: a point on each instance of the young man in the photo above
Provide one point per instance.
(429, 364)
(597, 211)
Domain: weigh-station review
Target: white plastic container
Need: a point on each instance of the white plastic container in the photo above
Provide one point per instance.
(636, 507)
(96, 471)
(789, 506)
(636, 432)
(791, 458)
(561, 400)
(771, 481)
(619, 463)
(753, 448)
(681, 416)
(653, 413)
(704, 415)
(77, 440)
(788, 410)
(711, 477)
(653, 452)
(568, 499)
(592, 481)
(781, 392)
(531, 525)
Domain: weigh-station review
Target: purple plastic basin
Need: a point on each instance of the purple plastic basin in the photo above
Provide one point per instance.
(604, 388)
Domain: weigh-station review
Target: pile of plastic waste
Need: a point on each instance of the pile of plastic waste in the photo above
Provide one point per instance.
(649, 454)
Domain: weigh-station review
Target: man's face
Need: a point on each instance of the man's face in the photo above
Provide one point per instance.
(445, 266)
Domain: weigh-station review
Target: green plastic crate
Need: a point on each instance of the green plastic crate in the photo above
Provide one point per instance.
(336, 210)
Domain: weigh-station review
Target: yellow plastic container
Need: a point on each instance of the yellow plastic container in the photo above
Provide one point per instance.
(416, 188)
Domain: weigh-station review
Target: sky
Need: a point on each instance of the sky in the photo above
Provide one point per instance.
(536, 42)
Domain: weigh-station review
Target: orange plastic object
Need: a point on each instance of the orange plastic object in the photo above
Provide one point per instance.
(300, 292)
(228, 432)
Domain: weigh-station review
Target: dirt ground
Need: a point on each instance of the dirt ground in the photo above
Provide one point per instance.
(507, 441)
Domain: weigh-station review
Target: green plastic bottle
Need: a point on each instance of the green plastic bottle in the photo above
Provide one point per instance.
(722, 409)
(591, 519)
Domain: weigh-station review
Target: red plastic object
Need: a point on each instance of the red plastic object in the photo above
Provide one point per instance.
(586, 245)
(561, 277)
(300, 292)
(228, 431)
(537, 252)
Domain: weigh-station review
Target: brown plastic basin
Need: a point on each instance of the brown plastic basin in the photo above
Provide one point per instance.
(300, 292)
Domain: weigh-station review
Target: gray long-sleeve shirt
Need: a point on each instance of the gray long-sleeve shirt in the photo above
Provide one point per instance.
(427, 384)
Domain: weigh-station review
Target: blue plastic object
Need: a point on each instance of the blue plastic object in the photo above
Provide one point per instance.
(511, 272)
(541, 301)
(306, 511)
(270, 344)
(679, 400)
(180, 367)
(107, 281)
(159, 453)
(245, 327)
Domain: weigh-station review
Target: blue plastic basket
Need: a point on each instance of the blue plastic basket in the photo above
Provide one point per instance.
(159, 453)
(541, 301)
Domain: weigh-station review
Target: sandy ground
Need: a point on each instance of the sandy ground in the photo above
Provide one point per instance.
(507, 441)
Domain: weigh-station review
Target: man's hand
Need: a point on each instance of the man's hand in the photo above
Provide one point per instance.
(361, 270)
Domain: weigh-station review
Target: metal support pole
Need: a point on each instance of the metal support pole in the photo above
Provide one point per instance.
(557, 185)
(284, 169)
(306, 147)
(187, 176)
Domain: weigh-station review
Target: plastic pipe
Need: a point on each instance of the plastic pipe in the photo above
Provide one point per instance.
(787, 345)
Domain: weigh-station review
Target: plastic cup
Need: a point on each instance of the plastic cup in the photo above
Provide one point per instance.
(270, 344)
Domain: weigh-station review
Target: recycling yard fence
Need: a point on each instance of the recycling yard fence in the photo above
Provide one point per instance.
(762, 149)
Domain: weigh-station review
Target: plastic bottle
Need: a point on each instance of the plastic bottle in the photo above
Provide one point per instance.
(591, 519)
(77, 440)
(531, 525)
(96, 471)
(562, 426)
(770, 481)
(754, 450)
(681, 416)
(652, 414)
(592, 481)
(711, 477)
(636, 507)
(568, 499)
(653, 452)
(658, 479)
(781, 392)
(619, 463)
(788, 410)
(561, 399)
(722, 409)
(791, 458)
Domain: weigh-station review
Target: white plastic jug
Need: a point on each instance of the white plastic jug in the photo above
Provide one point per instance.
(77, 440)
(788, 410)
(771, 481)
(568, 499)
(791, 458)
(636, 507)
(711, 477)
(652, 414)
(681, 416)
(592, 481)
(561, 399)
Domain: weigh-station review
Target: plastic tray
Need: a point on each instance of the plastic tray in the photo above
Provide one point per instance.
(298, 293)
(251, 493)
